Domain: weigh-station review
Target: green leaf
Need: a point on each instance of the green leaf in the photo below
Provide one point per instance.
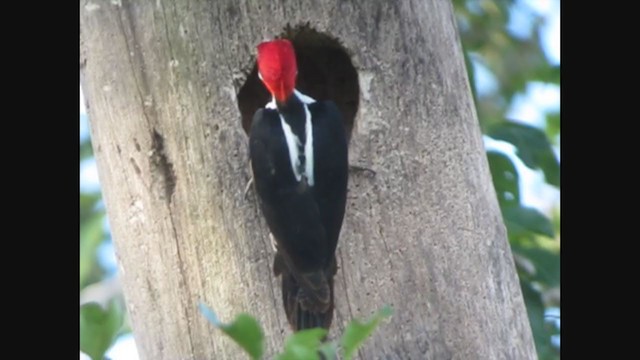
(91, 235)
(303, 345)
(505, 178)
(546, 263)
(533, 148)
(357, 332)
(521, 221)
(539, 327)
(86, 150)
(88, 203)
(244, 330)
(98, 328)
(328, 350)
(553, 125)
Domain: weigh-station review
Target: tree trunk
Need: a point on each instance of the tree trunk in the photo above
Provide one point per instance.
(168, 84)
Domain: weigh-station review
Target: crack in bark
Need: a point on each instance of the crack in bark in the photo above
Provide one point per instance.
(134, 55)
(344, 284)
(183, 275)
(166, 30)
(162, 166)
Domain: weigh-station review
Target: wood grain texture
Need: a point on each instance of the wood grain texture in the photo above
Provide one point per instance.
(424, 235)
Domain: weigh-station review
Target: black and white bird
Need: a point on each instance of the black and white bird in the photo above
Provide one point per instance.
(299, 159)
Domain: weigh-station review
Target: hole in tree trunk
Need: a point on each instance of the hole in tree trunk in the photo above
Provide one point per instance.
(325, 72)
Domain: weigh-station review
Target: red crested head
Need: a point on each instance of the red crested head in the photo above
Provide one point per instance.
(278, 68)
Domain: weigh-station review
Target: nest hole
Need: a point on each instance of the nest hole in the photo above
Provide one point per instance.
(325, 72)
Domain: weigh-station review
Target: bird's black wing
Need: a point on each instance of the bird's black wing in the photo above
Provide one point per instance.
(331, 168)
(289, 207)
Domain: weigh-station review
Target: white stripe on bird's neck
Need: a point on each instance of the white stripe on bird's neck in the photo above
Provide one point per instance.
(302, 97)
(293, 141)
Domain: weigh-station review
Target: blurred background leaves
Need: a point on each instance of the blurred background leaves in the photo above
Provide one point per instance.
(102, 309)
(508, 59)
(514, 72)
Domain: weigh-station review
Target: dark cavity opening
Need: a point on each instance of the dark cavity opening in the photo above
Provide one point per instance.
(325, 72)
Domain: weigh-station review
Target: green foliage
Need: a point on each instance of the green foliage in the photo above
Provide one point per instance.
(541, 329)
(91, 236)
(302, 345)
(357, 332)
(525, 221)
(533, 147)
(546, 265)
(99, 328)
(553, 125)
(244, 330)
(505, 179)
(329, 350)
(86, 150)
(516, 62)
(538, 261)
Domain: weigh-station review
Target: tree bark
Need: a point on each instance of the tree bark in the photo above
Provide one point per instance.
(423, 235)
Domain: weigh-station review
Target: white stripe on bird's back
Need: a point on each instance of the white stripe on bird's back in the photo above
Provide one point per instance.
(308, 146)
(292, 144)
(293, 141)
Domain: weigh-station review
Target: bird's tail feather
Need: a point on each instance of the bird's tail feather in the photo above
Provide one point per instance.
(307, 298)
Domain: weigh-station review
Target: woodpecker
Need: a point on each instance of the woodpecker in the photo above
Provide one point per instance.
(299, 159)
